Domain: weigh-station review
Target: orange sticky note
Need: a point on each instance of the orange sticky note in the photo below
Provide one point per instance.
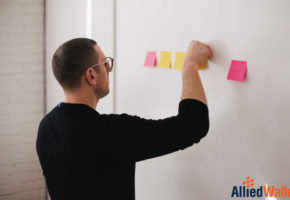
(237, 70)
(150, 60)
(165, 59)
(179, 57)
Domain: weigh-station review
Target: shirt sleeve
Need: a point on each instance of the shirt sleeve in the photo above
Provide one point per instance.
(138, 139)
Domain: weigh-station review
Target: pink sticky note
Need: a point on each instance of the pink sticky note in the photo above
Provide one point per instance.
(237, 70)
(150, 59)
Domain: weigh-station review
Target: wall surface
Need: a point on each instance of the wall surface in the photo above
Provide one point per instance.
(68, 19)
(21, 98)
(249, 129)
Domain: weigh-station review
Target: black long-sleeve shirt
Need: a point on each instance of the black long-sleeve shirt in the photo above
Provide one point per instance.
(87, 155)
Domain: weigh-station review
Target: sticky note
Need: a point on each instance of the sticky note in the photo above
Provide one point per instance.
(204, 66)
(179, 57)
(150, 60)
(237, 70)
(165, 59)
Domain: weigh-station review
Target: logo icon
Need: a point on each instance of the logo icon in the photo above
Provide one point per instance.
(249, 182)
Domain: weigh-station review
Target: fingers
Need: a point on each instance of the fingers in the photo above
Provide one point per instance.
(196, 42)
(209, 52)
(198, 52)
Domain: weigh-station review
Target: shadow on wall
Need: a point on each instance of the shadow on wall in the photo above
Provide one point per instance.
(220, 56)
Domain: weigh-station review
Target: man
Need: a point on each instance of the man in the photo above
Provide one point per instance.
(88, 155)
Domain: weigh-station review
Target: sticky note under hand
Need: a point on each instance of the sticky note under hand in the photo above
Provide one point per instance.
(165, 60)
(204, 66)
(179, 57)
(237, 70)
(150, 60)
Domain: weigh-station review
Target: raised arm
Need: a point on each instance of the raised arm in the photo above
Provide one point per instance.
(138, 139)
(196, 55)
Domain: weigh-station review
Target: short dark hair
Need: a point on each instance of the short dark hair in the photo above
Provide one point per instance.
(71, 59)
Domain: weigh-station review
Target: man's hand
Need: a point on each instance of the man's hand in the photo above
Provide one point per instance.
(196, 55)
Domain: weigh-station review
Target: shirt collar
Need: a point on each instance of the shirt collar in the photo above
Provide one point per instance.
(75, 107)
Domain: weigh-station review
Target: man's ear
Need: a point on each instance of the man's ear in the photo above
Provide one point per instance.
(91, 76)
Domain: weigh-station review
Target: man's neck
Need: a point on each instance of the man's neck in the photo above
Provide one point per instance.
(86, 98)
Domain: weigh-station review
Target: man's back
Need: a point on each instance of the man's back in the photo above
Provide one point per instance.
(77, 162)
(86, 155)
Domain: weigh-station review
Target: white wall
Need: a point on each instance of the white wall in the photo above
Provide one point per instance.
(68, 19)
(249, 129)
(21, 97)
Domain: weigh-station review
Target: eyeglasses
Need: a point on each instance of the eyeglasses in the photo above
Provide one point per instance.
(108, 63)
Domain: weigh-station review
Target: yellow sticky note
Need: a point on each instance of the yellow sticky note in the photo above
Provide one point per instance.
(165, 60)
(204, 66)
(179, 57)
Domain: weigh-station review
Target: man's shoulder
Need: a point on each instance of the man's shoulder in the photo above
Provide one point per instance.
(122, 116)
(46, 117)
(122, 120)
